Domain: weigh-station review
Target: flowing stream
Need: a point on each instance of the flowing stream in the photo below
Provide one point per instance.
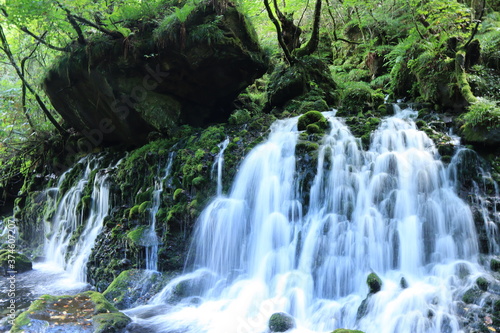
(273, 245)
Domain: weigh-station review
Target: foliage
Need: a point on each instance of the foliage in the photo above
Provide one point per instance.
(483, 117)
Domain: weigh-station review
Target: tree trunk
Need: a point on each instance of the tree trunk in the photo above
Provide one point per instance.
(313, 42)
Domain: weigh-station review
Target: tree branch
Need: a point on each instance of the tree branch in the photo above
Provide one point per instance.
(476, 27)
(313, 42)
(335, 37)
(114, 34)
(47, 113)
(273, 19)
(41, 40)
(74, 24)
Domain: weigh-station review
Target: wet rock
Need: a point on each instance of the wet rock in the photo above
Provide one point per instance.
(374, 283)
(13, 261)
(80, 313)
(132, 288)
(281, 322)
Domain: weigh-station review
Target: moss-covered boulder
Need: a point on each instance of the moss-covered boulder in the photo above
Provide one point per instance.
(289, 84)
(481, 124)
(14, 261)
(133, 287)
(312, 119)
(374, 283)
(71, 313)
(119, 89)
(343, 330)
(281, 322)
(359, 97)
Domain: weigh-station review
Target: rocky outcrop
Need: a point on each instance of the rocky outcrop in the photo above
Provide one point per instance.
(119, 90)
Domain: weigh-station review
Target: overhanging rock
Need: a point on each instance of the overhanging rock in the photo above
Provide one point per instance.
(119, 90)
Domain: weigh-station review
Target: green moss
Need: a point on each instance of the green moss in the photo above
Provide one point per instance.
(144, 206)
(281, 322)
(72, 310)
(495, 265)
(312, 118)
(178, 194)
(343, 330)
(76, 235)
(133, 212)
(20, 261)
(110, 322)
(306, 146)
(482, 122)
(136, 235)
(359, 97)
(239, 117)
(374, 283)
(461, 77)
(472, 295)
(482, 283)
(313, 129)
(144, 195)
(198, 180)
(118, 288)
(86, 201)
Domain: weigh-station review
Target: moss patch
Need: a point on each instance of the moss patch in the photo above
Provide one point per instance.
(63, 312)
(374, 283)
(14, 261)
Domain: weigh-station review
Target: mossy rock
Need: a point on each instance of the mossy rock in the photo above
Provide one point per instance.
(133, 212)
(343, 330)
(374, 283)
(20, 262)
(144, 206)
(359, 97)
(482, 283)
(495, 265)
(137, 235)
(131, 287)
(472, 295)
(281, 322)
(65, 312)
(110, 322)
(314, 118)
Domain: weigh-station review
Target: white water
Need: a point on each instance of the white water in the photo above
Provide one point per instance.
(151, 238)
(219, 162)
(68, 218)
(391, 210)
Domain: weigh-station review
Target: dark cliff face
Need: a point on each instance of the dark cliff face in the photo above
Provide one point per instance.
(119, 90)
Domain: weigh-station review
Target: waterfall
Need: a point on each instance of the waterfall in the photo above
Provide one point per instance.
(150, 237)
(219, 162)
(271, 245)
(72, 233)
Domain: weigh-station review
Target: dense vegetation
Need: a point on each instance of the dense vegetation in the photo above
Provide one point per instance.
(440, 52)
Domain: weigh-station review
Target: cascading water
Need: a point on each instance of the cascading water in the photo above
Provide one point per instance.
(218, 163)
(151, 239)
(70, 229)
(271, 246)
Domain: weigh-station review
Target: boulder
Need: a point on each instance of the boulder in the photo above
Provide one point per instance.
(13, 261)
(132, 288)
(281, 322)
(84, 312)
(117, 90)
